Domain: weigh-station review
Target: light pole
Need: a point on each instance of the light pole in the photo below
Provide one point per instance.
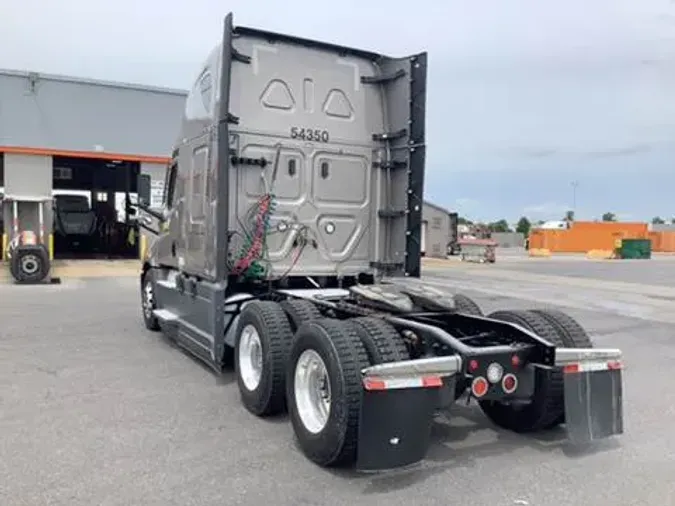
(575, 185)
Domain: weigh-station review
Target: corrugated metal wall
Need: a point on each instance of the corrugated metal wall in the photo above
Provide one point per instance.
(662, 227)
(40, 111)
(437, 230)
(584, 236)
(508, 239)
(28, 176)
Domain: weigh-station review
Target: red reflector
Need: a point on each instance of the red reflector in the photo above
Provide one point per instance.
(479, 386)
(614, 365)
(432, 382)
(374, 384)
(571, 369)
(515, 360)
(473, 365)
(371, 383)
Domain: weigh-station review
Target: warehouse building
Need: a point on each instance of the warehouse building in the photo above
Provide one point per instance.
(83, 142)
(435, 231)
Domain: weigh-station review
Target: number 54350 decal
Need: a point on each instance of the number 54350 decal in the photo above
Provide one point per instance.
(310, 134)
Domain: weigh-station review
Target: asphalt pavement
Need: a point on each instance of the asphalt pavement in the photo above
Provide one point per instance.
(95, 410)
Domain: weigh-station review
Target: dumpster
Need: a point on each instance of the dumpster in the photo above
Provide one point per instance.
(635, 249)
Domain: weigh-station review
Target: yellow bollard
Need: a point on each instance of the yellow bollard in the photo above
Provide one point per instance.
(4, 247)
(51, 247)
(142, 247)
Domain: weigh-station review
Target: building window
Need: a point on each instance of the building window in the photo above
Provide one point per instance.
(170, 184)
(63, 173)
(436, 223)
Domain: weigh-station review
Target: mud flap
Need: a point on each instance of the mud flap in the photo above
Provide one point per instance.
(398, 403)
(593, 399)
(395, 427)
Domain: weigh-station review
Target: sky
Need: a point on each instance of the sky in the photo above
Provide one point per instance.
(525, 97)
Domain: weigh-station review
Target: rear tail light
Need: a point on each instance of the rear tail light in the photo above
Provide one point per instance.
(509, 383)
(479, 386)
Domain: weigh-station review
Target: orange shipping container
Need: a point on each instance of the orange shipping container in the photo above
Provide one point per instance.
(633, 230)
(582, 237)
(663, 242)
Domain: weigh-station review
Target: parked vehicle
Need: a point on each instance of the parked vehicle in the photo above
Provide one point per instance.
(75, 222)
(288, 240)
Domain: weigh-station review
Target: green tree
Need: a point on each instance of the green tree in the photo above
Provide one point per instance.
(523, 226)
(657, 220)
(461, 220)
(569, 216)
(609, 217)
(499, 226)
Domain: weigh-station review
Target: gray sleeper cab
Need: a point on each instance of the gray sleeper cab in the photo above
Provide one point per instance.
(289, 244)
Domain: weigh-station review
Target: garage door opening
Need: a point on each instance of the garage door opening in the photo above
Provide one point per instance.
(92, 213)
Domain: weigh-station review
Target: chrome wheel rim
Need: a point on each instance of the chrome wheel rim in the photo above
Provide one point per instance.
(30, 264)
(250, 357)
(148, 300)
(312, 391)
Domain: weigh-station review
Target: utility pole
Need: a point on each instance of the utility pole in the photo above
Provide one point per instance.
(575, 185)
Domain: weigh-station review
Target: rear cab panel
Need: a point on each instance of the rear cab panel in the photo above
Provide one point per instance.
(307, 104)
(342, 130)
(322, 118)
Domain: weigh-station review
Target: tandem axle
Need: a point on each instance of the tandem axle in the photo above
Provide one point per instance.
(362, 373)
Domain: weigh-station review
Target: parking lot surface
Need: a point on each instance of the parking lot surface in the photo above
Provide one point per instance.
(95, 410)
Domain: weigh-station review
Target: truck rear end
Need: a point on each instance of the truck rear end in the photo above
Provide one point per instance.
(295, 186)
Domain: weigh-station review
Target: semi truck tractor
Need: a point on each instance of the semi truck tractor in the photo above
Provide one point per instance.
(288, 248)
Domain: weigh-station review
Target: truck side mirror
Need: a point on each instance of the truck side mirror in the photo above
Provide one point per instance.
(144, 185)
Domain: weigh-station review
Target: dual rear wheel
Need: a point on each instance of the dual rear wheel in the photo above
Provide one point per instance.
(546, 408)
(289, 357)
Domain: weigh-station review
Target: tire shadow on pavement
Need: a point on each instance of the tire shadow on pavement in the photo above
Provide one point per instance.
(461, 438)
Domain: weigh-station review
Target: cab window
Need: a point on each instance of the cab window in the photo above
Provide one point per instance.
(170, 183)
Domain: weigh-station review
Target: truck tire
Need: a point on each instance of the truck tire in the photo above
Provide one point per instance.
(546, 408)
(381, 340)
(148, 302)
(29, 264)
(326, 355)
(299, 311)
(261, 347)
(467, 305)
(571, 333)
